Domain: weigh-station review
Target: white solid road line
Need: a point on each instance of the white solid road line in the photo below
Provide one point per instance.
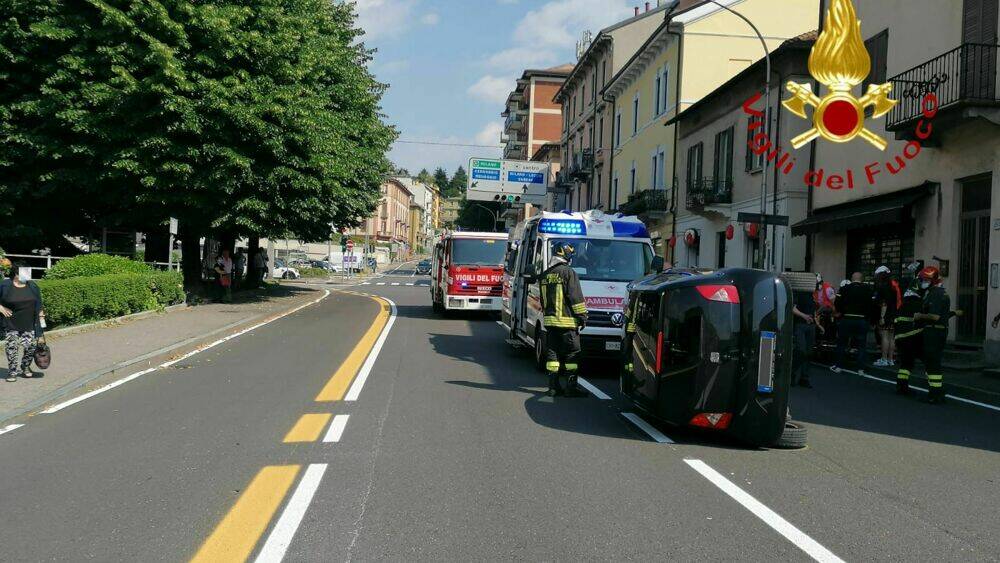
(366, 368)
(770, 517)
(380, 283)
(922, 390)
(411, 283)
(281, 536)
(647, 428)
(395, 283)
(58, 407)
(336, 428)
(10, 428)
(594, 390)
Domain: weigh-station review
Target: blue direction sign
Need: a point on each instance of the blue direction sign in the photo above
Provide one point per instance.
(485, 174)
(525, 177)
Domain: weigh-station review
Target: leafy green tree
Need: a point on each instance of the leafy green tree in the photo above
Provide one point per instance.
(425, 177)
(459, 182)
(242, 119)
(479, 215)
(441, 181)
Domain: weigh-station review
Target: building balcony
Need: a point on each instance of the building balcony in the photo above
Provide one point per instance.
(964, 81)
(515, 120)
(709, 192)
(648, 204)
(581, 165)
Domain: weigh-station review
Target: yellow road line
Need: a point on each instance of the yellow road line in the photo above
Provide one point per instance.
(236, 536)
(340, 381)
(308, 428)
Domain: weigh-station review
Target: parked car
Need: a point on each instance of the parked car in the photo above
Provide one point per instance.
(712, 351)
(284, 271)
(326, 265)
(424, 267)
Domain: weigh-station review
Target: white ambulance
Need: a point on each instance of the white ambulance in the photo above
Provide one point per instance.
(611, 251)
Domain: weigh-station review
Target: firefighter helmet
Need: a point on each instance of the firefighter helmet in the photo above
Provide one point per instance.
(563, 250)
(930, 274)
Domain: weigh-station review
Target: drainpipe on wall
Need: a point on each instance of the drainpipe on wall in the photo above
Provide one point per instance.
(677, 129)
(612, 205)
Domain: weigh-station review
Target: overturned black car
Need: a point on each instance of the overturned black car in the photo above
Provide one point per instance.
(711, 350)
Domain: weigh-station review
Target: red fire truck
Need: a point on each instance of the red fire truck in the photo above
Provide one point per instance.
(467, 272)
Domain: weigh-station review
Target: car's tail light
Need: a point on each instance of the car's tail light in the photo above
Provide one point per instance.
(659, 352)
(721, 293)
(713, 420)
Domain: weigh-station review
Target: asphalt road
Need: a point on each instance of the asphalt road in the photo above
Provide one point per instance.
(452, 452)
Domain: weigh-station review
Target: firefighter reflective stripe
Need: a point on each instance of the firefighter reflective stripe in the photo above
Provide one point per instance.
(629, 367)
(571, 367)
(579, 308)
(935, 381)
(904, 319)
(855, 316)
(552, 366)
(903, 375)
(559, 322)
(908, 334)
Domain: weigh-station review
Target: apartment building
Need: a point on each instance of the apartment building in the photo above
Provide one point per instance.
(586, 129)
(940, 205)
(532, 118)
(391, 221)
(697, 48)
(450, 207)
(721, 176)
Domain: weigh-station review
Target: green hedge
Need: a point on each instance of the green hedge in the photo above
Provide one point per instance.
(87, 265)
(94, 298)
(313, 272)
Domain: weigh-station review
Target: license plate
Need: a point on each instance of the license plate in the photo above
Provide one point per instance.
(765, 368)
(612, 345)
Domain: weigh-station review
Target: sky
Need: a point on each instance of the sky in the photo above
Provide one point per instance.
(450, 64)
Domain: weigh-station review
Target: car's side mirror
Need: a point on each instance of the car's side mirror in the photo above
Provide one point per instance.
(529, 273)
(656, 266)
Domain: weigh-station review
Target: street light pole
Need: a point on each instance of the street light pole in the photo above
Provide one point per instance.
(767, 125)
(493, 215)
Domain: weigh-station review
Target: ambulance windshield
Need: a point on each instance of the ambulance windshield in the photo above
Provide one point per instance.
(608, 259)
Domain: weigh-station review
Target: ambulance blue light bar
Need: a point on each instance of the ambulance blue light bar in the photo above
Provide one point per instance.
(562, 227)
(629, 229)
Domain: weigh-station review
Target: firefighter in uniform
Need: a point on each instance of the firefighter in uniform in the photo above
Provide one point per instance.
(909, 337)
(933, 320)
(565, 315)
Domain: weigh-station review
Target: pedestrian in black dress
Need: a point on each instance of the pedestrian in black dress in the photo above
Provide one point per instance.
(21, 309)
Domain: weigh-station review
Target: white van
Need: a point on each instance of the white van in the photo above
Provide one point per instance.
(611, 252)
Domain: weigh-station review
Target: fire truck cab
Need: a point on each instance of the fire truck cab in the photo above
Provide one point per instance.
(611, 252)
(467, 271)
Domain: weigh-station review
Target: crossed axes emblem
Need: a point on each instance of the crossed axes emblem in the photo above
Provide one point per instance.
(839, 116)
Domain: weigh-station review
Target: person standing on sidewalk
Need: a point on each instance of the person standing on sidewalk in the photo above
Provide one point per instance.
(804, 309)
(224, 273)
(887, 301)
(909, 337)
(239, 268)
(23, 317)
(259, 267)
(933, 318)
(854, 303)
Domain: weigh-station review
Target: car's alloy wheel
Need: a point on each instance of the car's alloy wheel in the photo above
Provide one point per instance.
(540, 348)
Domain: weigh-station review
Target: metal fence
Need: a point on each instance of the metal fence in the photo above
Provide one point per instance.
(38, 265)
(967, 74)
(702, 192)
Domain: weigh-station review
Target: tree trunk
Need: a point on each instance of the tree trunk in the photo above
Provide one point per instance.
(253, 244)
(191, 256)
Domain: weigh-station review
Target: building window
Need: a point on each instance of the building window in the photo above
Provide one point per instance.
(614, 193)
(878, 50)
(600, 133)
(583, 97)
(661, 158)
(657, 88)
(599, 186)
(604, 73)
(723, 166)
(694, 163)
(618, 129)
(664, 93)
(654, 172)
(635, 115)
(754, 162)
(631, 183)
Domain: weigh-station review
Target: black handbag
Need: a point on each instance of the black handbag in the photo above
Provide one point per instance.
(43, 355)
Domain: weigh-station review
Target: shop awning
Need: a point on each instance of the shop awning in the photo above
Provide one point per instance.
(867, 212)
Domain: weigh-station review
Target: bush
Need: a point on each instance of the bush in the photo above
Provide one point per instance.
(87, 265)
(93, 298)
(313, 272)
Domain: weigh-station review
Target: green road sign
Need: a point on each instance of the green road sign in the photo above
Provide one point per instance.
(494, 164)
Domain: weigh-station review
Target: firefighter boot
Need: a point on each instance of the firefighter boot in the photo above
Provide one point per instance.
(572, 389)
(903, 382)
(554, 388)
(935, 392)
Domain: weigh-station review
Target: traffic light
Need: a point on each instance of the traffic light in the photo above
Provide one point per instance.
(507, 198)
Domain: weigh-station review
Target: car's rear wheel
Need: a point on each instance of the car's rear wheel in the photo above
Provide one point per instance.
(793, 437)
(286, 276)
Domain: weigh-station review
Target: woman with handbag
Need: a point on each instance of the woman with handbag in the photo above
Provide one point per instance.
(224, 273)
(23, 320)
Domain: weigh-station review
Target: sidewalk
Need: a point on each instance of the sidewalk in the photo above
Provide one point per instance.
(79, 357)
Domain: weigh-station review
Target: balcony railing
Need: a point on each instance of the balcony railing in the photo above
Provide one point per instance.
(965, 75)
(647, 202)
(705, 192)
(515, 120)
(582, 163)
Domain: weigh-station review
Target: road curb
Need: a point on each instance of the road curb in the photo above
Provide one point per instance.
(150, 357)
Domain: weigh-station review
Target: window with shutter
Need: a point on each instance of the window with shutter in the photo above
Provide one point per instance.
(878, 50)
